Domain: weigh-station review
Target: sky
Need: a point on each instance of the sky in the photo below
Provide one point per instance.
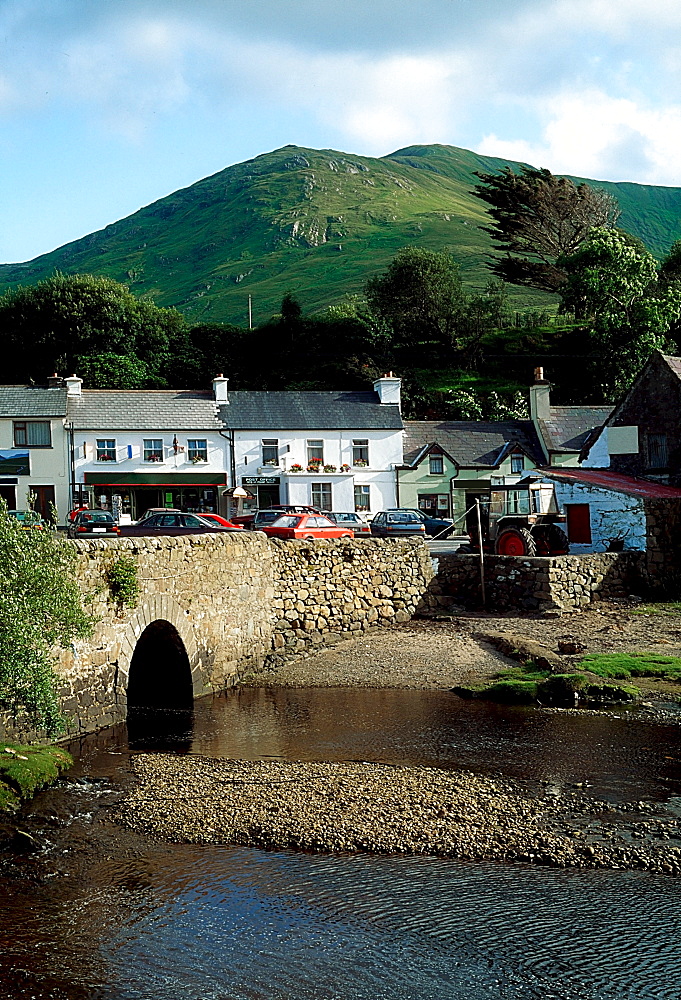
(108, 105)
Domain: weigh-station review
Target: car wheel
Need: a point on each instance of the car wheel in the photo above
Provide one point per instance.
(309, 538)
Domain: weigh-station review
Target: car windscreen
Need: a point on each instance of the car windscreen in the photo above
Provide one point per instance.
(286, 521)
(96, 515)
(403, 519)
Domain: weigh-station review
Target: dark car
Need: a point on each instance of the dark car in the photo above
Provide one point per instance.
(174, 523)
(350, 520)
(441, 526)
(93, 524)
(397, 524)
(158, 510)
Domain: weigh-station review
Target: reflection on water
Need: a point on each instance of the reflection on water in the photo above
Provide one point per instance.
(101, 914)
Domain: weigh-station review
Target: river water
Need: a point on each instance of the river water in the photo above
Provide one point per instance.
(93, 912)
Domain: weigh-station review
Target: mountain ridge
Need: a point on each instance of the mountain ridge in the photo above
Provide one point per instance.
(316, 223)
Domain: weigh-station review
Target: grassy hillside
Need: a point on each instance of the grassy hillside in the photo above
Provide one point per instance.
(313, 222)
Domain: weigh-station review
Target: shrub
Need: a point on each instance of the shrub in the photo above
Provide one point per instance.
(40, 608)
(121, 578)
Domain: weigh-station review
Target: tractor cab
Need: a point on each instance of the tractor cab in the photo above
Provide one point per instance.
(521, 520)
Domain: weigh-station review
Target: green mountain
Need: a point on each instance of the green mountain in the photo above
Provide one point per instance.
(313, 222)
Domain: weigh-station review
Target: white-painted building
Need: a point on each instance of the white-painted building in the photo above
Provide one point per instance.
(606, 510)
(34, 457)
(135, 449)
(334, 450)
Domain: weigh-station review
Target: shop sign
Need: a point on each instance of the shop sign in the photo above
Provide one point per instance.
(260, 480)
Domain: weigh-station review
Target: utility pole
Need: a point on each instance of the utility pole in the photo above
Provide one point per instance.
(250, 313)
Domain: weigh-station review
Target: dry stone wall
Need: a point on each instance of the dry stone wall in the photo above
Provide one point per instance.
(327, 591)
(540, 583)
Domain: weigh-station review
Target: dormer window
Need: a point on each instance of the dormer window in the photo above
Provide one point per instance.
(517, 463)
(436, 465)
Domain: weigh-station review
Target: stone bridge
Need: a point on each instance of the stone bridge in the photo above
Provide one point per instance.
(214, 607)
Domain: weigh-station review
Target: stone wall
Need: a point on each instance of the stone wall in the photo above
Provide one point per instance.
(236, 602)
(663, 549)
(540, 583)
(327, 591)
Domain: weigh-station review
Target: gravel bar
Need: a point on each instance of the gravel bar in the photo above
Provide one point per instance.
(379, 808)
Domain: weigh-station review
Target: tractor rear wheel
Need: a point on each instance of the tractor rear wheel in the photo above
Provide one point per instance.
(515, 542)
(550, 540)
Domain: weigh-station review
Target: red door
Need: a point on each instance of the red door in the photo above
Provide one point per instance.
(578, 523)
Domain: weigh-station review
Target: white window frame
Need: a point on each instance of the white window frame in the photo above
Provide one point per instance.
(322, 488)
(270, 445)
(366, 492)
(150, 445)
(436, 458)
(360, 453)
(105, 446)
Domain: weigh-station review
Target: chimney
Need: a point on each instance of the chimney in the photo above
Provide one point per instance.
(220, 388)
(388, 388)
(540, 396)
(55, 382)
(74, 386)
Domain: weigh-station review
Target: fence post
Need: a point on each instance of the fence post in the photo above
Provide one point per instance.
(482, 554)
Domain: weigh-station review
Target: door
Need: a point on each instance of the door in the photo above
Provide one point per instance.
(44, 501)
(143, 500)
(268, 496)
(578, 523)
(9, 495)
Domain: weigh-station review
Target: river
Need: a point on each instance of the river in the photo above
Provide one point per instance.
(93, 912)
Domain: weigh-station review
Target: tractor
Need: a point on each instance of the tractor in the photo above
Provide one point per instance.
(519, 520)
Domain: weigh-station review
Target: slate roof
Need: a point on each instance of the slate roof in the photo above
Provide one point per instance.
(605, 479)
(568, 427)
(471, 443)
(29, 401)
(674, 364)
(293, 410)
(141, 409)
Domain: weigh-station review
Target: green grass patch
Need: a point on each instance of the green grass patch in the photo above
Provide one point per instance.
(24, 770)
(670, 608)
(625, 665)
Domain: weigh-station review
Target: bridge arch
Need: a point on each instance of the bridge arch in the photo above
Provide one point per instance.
(160, 662)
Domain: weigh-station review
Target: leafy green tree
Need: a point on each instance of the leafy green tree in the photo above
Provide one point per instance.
(40, 608)
(49, 326)
(112, 371)
(421, 297)
(539, 218)
(613, 288)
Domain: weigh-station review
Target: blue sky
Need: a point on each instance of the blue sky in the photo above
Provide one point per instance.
(107, 105)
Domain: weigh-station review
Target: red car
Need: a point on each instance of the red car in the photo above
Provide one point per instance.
(218, 519)
(305, 526)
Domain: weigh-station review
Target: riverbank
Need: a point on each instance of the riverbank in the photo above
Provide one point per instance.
(24, 770)
(451, 651)
(377, 808)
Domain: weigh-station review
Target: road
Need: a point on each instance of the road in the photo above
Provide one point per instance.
(444, 546)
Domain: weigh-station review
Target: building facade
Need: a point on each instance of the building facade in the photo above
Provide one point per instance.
(34, 434)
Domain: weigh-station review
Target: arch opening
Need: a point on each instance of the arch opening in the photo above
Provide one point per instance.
(160, 693)
(160, 673)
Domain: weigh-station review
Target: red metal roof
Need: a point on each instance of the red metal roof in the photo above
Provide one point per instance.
(608, 480)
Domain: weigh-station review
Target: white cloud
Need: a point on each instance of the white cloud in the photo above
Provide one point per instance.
(593, 135)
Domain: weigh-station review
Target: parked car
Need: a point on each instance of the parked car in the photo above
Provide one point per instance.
(174, 523)
(218, 519)
(158, 510)
(90, 523)
(270, 514)
(306, 526)
(397, 524)
(433, 525)
(28, 519)
(351, 520)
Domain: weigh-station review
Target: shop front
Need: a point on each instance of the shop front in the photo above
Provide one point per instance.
(130, 495)
(265, 492)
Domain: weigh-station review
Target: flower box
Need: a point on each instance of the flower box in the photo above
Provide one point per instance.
(296, 467)
(329, 468)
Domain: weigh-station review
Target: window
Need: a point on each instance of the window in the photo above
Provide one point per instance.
(270, 451)
(517, 463)
(315, 452)
(360, 452)
(321, 496)
(197, 450)
(106, 450)
(153, 449)
(578, 522)
(657, 451)
(32, 434)
(362, 498)
(436, 465)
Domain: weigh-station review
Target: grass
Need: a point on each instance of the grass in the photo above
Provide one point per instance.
(24, 770)
(670, 608)
(622, 666)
